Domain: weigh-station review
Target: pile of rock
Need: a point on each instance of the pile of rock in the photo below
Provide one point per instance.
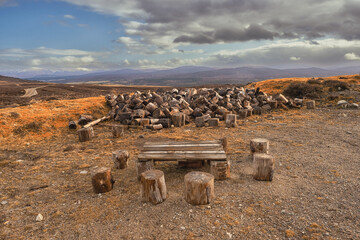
(162, 109)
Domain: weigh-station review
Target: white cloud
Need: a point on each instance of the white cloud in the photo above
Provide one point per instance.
(83, 25)
(68, 16)
(352, 56)
(295, 58)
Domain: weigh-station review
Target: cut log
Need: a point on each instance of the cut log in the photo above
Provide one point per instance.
(310, 104)
(231, 120)
(120, 159)
(117, 130)
(72, 125)
(151, 107)
(249, 112)
(220, 169)
(153, 187)
(243, 113)
(86, 134)
(102, 180)
(84, 119)
(199, 122)
(259, 145)
(144, 122)
(257, 110)
(157, 126)
(263, 167)
(273, 104)
(123, 116)
(178, 119)
(199, 188)
(143, 166)
(165, 122)
(213, 122)
(158, 113)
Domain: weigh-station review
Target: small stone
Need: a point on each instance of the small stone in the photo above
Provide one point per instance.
(283, 211)
(141, 136)
(84, 172)
(182, 228)
(209, 207)
(4, 202)
(348, 132)
(229, 235)
(39, 218)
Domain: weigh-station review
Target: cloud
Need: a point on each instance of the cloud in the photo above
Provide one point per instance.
(166, 25)
(83, 25)
(352, 56)
(8, 3)
(328, 52)
(295, 58)
(68, 16)
(52, 59)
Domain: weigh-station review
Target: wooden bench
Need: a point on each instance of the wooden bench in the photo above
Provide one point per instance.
(185, 151)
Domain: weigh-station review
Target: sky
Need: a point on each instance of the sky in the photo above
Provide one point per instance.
(95, 35)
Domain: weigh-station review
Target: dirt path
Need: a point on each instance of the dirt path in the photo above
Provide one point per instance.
(29, 92)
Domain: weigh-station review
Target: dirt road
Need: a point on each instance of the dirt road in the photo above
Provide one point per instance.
(29, 92)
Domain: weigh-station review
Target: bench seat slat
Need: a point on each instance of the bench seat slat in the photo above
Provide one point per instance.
(183, 143)
(182, 156)
(183, 148)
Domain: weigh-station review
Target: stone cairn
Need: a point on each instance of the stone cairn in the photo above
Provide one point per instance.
(205, 106)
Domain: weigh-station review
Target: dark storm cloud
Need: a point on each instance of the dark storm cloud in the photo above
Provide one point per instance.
(212, 21)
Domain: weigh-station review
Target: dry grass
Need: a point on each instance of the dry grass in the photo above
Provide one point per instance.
(274, 86)
(43, 120)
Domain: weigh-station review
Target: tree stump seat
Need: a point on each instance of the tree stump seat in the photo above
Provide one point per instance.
(199, 188)
(153, 187)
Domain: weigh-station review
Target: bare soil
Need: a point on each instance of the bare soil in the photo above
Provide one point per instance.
(315, 193)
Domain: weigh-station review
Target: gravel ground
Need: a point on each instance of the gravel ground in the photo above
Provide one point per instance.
(314, 193)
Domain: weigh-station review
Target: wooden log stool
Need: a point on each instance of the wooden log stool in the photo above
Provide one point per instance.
(120, 159)
(153, 187)
(231, 120)
(102, 180)
(220, 169)
(263, 167)
(143, 167)
(310, 104)
(199, 188)
(86, 134)
(259, 145)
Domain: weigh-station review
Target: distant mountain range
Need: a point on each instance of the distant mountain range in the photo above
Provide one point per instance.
(192, 75)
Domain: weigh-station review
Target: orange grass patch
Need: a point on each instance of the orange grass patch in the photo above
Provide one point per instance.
(44, 120)
(275, 86)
